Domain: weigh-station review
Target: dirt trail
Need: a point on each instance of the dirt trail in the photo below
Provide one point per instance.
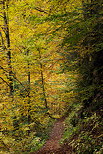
(52, 145)
(55, 136)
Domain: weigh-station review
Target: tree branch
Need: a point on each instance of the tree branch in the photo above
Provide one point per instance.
(2, 41)
(4, 81)
(40, 10)
(15, 79)
(1, 16)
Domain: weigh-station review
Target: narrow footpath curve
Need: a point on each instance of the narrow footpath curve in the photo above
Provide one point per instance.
(52, 145)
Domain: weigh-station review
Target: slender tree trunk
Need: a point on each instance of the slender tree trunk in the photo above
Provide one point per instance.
(7, 35)
(43, 86)
(28, 88)
(42, 80)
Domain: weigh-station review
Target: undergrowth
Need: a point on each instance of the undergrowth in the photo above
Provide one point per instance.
(84, 135)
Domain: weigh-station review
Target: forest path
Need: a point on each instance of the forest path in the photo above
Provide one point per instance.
(52, 145)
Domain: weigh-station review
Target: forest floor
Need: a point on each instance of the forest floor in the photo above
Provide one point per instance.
(52, 145)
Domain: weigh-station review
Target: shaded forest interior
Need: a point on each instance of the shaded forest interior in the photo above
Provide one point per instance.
(51, 68)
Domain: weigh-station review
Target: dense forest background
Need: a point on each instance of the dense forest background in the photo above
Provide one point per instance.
(51, 66)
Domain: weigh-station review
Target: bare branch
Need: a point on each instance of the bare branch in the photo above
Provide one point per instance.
(4, 81)
(1, 16)
(15, 79)
(3, 69)
(40, 10)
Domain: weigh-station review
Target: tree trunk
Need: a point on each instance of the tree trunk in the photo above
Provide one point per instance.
(7, 35)
(42, 80)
